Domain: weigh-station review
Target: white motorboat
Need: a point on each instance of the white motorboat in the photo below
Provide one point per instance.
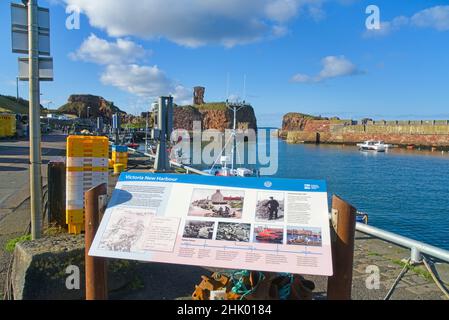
(224, 170)
(371, 145)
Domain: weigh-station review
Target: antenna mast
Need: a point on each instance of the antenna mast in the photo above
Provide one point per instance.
(244, 88)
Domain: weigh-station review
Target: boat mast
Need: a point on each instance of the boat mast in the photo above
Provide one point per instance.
(235, 107)
(234, 142)
(146, 133)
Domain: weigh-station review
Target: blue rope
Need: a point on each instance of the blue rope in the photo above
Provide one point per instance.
(240, 288)
(239, 283)
(285, 291)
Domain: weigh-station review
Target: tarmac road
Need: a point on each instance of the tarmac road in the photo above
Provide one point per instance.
(14, 167)
(14, 188)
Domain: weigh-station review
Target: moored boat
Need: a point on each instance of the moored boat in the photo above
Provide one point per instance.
(371, 145)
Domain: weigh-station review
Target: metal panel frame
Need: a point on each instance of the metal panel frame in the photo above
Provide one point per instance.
(42, 77)
(20, 29)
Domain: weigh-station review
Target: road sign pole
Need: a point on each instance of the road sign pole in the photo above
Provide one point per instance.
(35, 127)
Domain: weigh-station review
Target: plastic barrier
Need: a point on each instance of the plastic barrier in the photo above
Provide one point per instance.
(119, 168)
(87, 167)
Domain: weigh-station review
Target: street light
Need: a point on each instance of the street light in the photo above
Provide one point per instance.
(17, 88)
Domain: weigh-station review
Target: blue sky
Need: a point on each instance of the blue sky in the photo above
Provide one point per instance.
(311, 56)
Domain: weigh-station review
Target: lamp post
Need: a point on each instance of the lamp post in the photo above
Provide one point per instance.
(17, 89)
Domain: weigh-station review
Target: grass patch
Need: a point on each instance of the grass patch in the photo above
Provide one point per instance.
(417, 270)
(49, 232)
(213, 106)
(373, 254)
(54, 231)
(11, 244)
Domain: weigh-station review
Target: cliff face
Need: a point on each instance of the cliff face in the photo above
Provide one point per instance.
(214, 116)
(296, 121)
(98, 106)
(185, 116)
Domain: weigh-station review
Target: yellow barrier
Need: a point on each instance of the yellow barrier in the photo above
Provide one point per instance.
(111, 164)
(87, 167)
(119, 168)
(119, 157)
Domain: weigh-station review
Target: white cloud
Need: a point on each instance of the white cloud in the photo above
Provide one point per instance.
(282, 10)
(388, 27)
(146, 82)
(139, 80)
(435, 17)
(123, 71)
(195, 23)
(302, 78)
(100, 51)
(182, 95)
(332, 67)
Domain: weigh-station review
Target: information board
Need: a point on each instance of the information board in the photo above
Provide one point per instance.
(264, 224)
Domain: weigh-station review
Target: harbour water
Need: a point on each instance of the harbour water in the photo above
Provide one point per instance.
(406, 192)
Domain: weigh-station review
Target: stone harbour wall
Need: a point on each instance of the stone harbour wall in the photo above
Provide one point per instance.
(434, 133)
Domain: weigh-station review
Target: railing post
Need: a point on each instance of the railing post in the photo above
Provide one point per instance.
(56, 193)
(96, 272)
(339, 286)
(415, 256)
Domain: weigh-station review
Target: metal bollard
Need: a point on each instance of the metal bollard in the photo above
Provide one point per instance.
(56, 194)
(339, 286)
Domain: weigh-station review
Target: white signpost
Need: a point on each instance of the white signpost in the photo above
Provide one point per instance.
(30, 34)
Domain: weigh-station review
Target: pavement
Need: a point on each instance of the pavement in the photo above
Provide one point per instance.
(373, 255)
(15, 188)
(159, 281)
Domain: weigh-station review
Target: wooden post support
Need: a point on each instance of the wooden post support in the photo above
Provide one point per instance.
(96, 272)
(339, 286)
(56, 194)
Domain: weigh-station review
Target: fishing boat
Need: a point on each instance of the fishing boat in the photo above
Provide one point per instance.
(225, 166)
(224, 170)
(362, 217)
(177, 155)
(130, 143)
